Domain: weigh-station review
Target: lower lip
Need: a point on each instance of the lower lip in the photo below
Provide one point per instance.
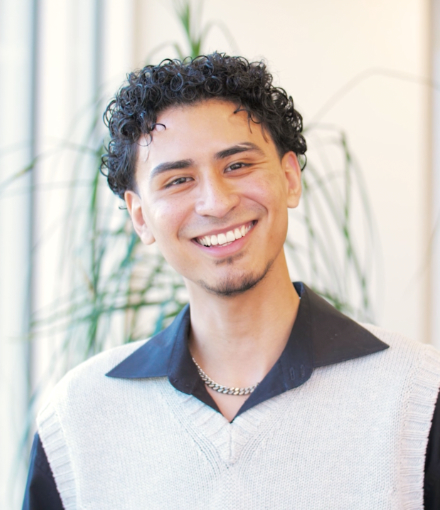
(228, 249)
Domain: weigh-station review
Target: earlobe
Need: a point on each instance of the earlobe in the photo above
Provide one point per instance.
(292, 172)
(134, 207)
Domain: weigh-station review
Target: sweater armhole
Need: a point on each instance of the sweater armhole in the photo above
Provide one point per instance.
(57, 451)
(432, 463)
(416, 427)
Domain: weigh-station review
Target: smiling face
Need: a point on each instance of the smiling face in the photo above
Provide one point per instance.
(213, 192)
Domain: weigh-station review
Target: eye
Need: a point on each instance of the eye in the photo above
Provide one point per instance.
(236, 166)
(176, 182)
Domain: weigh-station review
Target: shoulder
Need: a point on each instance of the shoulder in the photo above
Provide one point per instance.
(100, 364)
(400, 342)
(414, 360)
(90, 376)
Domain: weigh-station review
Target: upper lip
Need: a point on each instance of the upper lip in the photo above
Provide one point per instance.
(224, 230)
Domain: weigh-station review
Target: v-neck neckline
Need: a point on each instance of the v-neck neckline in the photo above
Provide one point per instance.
(215, 435)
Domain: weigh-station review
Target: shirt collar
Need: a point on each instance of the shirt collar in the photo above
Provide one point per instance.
(320, 336)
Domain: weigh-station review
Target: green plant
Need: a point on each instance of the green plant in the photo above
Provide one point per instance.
(335, 260)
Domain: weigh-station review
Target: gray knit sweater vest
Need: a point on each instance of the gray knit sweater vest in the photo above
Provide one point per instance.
(353, 437)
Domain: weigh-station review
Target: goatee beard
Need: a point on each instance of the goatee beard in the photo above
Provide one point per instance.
(233, 286)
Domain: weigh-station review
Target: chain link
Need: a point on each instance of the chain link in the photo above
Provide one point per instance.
(223, 389)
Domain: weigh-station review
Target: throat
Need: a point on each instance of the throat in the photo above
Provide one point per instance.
(238, 340)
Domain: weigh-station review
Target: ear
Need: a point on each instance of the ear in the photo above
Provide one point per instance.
(292, 172)
(134, 206)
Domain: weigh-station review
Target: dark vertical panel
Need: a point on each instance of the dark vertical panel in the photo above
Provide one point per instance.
(98, 46)
(35, 5)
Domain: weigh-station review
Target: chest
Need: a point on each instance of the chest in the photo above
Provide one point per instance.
(331, 444)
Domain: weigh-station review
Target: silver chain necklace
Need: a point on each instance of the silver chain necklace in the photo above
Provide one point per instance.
(223, 389)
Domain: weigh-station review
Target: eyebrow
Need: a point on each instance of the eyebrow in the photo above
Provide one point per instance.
(171, 165)
(186, 163)
(236, 149)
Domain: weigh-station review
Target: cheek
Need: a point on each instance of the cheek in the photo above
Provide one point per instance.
(272, 195)
(165, 219)
(268, 191)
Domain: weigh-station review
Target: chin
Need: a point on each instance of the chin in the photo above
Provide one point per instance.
(234, 285)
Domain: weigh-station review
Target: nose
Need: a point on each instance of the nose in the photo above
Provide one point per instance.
(217, 196)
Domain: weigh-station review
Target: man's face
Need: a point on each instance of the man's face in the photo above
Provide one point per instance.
(213, 193)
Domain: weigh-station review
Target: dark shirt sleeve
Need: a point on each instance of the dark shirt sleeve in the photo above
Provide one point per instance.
(41, 491)
(432, 463)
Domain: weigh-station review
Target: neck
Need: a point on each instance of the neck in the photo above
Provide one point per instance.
(237, 340)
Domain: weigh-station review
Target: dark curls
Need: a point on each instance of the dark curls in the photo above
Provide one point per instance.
(134, 111)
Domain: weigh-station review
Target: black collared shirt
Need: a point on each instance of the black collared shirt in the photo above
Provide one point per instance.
(320, 336)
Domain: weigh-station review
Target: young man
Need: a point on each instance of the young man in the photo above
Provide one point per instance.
(259, 395)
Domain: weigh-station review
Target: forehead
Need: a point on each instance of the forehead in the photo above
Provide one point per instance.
(200, 130)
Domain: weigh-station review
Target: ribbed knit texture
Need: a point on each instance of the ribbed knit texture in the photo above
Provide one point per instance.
(353, 437)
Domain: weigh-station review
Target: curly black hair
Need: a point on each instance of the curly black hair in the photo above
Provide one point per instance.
(248, 85)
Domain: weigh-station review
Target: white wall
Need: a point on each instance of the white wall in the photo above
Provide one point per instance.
(314, 48)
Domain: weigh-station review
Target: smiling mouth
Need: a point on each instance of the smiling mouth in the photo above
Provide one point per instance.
(226, 238)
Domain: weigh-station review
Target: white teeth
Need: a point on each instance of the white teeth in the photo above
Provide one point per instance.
(226, 238)
(230, 236)
(221, 239)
